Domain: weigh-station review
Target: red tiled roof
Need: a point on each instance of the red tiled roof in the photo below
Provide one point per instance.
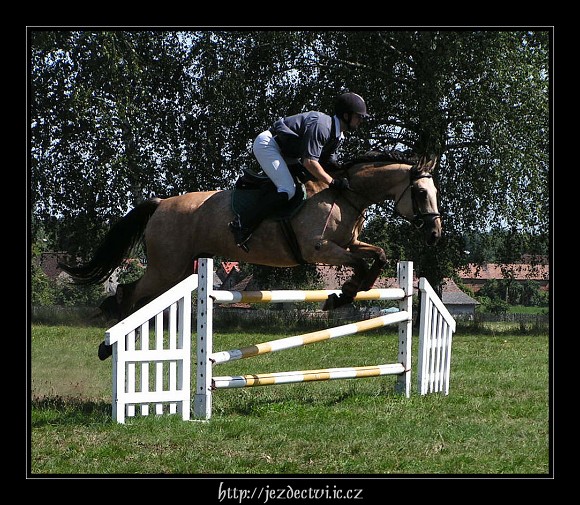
(333, 278)
(243, 284)
(228, 266)
(49, 263)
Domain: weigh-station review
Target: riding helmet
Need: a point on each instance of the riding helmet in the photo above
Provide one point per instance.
(350, 102)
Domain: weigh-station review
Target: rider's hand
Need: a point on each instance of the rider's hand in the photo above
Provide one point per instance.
(340, 184)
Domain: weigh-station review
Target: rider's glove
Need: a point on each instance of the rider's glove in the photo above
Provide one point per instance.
(340, 184)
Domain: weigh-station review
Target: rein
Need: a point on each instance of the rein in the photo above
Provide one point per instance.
(328, 218)
(418, 219)
(359, 211)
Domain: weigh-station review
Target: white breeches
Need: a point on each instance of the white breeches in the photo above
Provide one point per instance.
(267, 152)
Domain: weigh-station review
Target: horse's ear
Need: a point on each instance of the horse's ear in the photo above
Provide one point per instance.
(427, 163)
(422, 161)
(431, 164)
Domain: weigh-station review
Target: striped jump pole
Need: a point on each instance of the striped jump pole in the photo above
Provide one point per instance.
(317, 295)
(308, 338)
(206, 358)
(268, 379)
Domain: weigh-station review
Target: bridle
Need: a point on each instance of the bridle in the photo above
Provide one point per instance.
(419, 218)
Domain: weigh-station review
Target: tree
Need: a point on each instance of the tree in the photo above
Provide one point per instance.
(104, 115)
(47, 292)
(118, 116)
(42, 289)
(506, 246)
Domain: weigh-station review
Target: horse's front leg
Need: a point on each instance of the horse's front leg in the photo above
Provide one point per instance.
(363, 277)
(377, 254)
(349, 289)
(332, 254)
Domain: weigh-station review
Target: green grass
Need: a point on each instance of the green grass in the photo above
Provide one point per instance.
(524, 309)
(495, 420)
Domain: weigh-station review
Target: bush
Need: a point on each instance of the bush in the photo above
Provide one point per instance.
(69, 294)
(46, 292)
(43, 292)
(66, 316)
(498, 306)
(131, 270)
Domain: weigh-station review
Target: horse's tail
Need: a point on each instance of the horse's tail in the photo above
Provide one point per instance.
(121, 239)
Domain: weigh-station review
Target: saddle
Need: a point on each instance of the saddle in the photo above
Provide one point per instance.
(251, 187)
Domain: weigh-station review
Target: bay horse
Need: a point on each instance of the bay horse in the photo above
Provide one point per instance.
(181, 228)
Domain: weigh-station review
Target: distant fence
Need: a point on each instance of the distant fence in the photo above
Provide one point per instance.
(539, 319)
(287, 318)
(228, 316)
(240, 316)
(57, 314)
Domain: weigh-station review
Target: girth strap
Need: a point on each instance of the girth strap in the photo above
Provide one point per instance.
(290, 236)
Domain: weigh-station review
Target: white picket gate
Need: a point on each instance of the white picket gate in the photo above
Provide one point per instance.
(436, 330)
(154, 369)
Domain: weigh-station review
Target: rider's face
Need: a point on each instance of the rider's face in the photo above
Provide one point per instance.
(355, 121)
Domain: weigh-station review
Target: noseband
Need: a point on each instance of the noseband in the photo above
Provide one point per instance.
(419, 218)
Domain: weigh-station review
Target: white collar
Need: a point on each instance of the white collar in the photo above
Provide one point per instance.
(339, 134)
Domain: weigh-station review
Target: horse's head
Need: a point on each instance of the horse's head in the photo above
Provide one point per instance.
(418, 202)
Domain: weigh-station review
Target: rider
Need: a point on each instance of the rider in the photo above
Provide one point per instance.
(310, 139)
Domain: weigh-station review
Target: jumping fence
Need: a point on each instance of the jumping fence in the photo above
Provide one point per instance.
(154, 371)
(152, 347)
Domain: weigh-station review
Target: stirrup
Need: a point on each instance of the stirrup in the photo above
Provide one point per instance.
(241, 235)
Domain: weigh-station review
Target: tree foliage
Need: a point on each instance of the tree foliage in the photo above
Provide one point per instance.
(48, 292)
(512, 292)
(118, 116)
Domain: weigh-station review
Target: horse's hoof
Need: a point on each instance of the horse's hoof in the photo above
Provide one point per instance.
(330, 302)
(334, 302)
(343, 300)
(105, 351)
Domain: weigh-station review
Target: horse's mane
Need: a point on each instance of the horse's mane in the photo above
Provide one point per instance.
(393, 156)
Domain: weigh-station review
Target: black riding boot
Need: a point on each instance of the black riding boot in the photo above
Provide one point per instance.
(270, 203)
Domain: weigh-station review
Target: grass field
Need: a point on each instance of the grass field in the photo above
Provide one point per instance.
(495, 421)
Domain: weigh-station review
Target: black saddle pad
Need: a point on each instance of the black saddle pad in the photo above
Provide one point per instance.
(243, 199)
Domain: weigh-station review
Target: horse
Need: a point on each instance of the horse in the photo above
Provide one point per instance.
(325, 230)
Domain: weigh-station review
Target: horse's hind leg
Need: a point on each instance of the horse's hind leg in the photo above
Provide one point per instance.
(131, 297)
(116, 306)
(104, 351)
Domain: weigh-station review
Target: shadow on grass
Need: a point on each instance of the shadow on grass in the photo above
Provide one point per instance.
(253, 405)
(58, 410)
